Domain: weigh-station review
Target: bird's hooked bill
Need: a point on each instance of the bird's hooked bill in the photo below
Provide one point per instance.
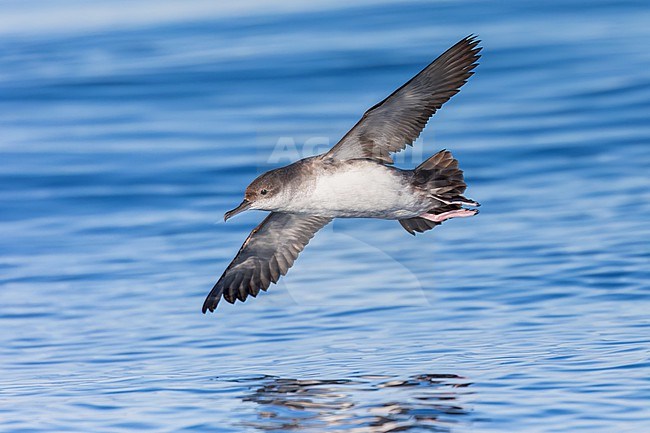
(241, 208)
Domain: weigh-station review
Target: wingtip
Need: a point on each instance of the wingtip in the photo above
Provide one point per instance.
(210, 303)
(207, 307)
(472, 41)
(472, 38)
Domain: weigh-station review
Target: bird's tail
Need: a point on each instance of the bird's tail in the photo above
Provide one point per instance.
(442, 177)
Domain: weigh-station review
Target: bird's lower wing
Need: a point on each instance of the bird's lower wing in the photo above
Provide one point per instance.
(397, 121)
(268, 252)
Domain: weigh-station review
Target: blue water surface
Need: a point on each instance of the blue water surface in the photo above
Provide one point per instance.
(128, 128)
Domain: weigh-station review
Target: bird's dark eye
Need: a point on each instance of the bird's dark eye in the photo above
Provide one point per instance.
(263, 192)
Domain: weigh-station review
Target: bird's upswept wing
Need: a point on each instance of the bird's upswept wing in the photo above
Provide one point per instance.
(268, 252)
(399, 119)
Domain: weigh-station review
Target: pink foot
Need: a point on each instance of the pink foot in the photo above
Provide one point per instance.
(460, 213)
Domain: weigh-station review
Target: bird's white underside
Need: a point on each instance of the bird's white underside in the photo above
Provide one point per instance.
(363, 189)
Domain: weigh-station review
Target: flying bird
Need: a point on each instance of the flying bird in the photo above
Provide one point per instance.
(355, 179)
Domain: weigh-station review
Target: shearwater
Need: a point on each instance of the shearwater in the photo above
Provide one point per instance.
(355, 179)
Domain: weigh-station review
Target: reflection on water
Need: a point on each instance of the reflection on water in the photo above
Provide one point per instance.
(431, 402)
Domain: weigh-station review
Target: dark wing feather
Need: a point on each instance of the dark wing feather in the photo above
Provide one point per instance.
(417, 224)
(398, 120)
(421, 225)
(268, 252)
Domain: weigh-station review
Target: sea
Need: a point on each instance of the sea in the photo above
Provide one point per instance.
(128, 128)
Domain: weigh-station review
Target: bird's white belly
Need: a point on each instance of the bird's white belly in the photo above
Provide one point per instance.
(364, 190)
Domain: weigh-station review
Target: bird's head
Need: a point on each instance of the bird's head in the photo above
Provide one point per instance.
(264, 193)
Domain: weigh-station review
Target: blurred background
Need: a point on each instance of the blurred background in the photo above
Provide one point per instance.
(127, 128)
